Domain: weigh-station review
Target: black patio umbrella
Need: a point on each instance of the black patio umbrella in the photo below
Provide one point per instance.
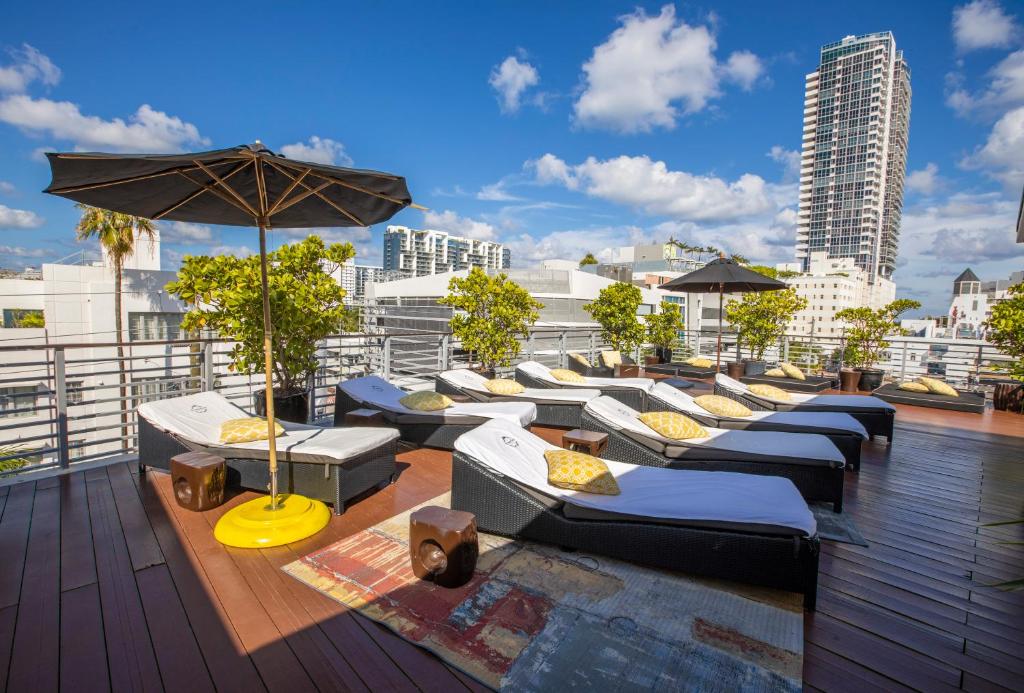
(247, 185)
(725, 276)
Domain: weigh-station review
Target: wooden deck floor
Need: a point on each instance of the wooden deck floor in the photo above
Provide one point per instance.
(105, 582)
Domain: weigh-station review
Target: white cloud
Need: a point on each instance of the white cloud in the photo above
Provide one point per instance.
(18, 251)
(789, 159)
(572, 244)
(652, 187)
(1002, 155)
(496, 192)
(654, 69)
(6, 188)
(185, 232)
(925, 180)
(236, 250)
(29, 65)
(510, 80)
(1005, 89)
(19, 218)
(982, 24)
(319, 151)
(460, 226)
(962, 228)
(147, 130)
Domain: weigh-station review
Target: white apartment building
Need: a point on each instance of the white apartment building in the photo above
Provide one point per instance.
(830, 285)
(418, 252)
(973, 301)
(854, 154)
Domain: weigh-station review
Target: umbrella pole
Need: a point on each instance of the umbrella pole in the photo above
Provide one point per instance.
(718, 357)
(268, 367)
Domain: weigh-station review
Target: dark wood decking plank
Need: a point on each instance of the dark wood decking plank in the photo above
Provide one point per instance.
(142, 544)
(14, 527)
(77, 558)
(35, 659)
(227, 661)
(83, 649)
(129, 647)
(829, 672)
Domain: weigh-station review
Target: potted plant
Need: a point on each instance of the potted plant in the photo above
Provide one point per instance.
(305, 302)
(866, 334)
(494, 313)
(663, 332)
(1006, 331)
(614, 310)
(761, 319)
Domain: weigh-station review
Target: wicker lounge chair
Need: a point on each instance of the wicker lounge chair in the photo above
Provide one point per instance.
(554, 407)
(683, 370)
(877, 416)
(631, 391)
(845, 432)
(810, 461)
(742, 527)
(810, 383)
(972, 402)
(435, 429)
(330, 464)
(595, 370)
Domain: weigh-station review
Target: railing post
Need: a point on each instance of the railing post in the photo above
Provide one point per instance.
(386, 366)
(442, 361)
(785, 348)
(593, 346)
(977, 364)
(529, 346)
(60, 389)
(903, 362)
(208, 375)
(562, 358)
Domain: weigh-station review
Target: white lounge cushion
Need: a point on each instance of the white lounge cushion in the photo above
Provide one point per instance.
(654, 492)
(378, 393)
(839, 402)
(197, 418)
(826, 420)
(539, 371)
(466, 379)
(805, 446)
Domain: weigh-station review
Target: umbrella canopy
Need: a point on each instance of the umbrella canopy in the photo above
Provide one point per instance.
(247, 185)
(241, 186)
(722, 276)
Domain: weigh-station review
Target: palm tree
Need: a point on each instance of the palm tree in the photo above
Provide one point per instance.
(117, 233)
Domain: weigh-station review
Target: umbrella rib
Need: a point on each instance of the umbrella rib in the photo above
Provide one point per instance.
(357, 188)
(209, 187)
(300, 197)
(321, 196)
(131, 179)
(297, 164)
(234, 193)
(287, 192)
(196, 194)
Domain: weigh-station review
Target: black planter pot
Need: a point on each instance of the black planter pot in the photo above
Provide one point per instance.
(664, 354)
(751, 367)
(485, 372)
(735, 369)
(870, 378)
(292, 407)
(849, 380)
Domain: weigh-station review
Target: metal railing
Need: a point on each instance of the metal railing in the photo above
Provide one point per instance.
(64, 404)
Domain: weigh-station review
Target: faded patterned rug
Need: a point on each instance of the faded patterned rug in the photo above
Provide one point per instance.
(535, 618)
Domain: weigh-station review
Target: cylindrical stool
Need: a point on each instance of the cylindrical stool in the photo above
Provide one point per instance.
(198, 480)
(443, 545)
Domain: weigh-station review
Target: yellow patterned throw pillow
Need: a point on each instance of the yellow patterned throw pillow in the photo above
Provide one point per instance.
(913, 387)
(424, 400)
(769, 391)
(567, 376)
(698, 362)
(247, 430)
(581, 359)
(775, 373)
(722, 406)
(611, 359)
(792, 371)
(504, 386)
(578, 472)
(673, 425)
(938, 387)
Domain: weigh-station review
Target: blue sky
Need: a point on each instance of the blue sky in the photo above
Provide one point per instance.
(557, 128)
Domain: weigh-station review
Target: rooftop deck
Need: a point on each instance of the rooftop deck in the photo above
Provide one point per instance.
(105, 579)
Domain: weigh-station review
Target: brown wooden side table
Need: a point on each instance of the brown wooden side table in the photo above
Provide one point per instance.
(626, 370)
(198, 480)
(443, 545)
(364, 417)
(590, 442)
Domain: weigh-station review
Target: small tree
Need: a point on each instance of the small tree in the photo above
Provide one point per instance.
(868, 328)
(1006, 329)
(588, 259)
(615, 310)
(663, 327)
(305, 305)
(496, 313)
(761, 317)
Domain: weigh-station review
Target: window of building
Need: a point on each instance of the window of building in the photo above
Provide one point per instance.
(151, 389)
(18, 397)
(74, 389)
(154, 326)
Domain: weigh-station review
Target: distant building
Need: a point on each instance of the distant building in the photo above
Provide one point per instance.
(424, 252)
(854, 157)
(830, 285)
(973, 300)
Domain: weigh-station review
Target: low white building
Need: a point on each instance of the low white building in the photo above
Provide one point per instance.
(831, 285)
(973, 301)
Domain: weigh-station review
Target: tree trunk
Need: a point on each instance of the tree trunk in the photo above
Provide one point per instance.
(121, 375)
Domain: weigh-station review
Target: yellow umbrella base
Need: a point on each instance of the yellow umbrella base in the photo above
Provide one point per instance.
(254, 525)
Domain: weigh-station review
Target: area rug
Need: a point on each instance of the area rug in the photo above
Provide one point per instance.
(837, 527)
(535, 618)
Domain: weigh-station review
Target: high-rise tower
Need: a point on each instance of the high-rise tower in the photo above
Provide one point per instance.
(854, 157)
